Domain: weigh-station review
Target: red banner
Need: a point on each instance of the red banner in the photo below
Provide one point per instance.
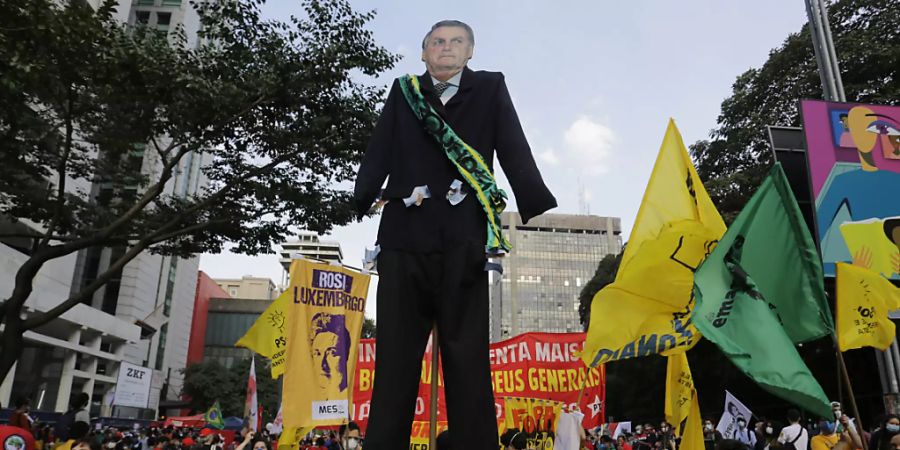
(531, 365)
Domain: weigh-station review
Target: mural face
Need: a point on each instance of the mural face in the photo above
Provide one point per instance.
(854, 166)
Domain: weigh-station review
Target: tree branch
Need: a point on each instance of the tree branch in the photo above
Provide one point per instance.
(199, 226)
(183, 231)
(87, 291)
(37, 236)
(166, 174)
(159, 151)
(61, 174)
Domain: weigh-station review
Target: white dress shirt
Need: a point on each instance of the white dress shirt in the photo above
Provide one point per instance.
(451, 91)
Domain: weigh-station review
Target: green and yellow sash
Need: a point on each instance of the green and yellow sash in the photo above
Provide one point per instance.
(466, 159)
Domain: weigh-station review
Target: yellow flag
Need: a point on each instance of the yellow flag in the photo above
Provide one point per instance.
(266, 336)
(325, 320)
(679, 391)
(646, 310)
(290, 438)
(864, 299)
(692, 439)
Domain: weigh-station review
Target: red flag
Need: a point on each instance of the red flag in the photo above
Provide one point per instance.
(251, 406)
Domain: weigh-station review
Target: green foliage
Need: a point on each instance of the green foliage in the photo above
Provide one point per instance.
(208, 382)
(368, 329)
(101, 124)
(605, 274)
(737, 156)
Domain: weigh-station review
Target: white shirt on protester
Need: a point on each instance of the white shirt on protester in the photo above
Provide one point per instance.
(568, 431)
(82, 416)
(745, 435)
(790, 432)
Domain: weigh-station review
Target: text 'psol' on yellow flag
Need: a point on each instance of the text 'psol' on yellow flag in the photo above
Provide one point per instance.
(679, 391)
(646, 310)
(325, 318)
(864, 299)
(266, 337)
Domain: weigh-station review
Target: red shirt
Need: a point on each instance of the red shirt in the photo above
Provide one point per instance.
(19, 419)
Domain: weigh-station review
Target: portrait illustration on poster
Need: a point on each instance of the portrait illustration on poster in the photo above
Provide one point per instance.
(854, 167)
(325, 312)
(330, 345)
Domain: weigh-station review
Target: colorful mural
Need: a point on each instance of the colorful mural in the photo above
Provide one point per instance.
(854, 168)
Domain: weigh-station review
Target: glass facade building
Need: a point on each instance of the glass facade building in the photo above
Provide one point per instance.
(227, 321)
(553, 257)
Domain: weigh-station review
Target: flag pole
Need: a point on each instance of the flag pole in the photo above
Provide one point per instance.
(435, 354)
(846, 377)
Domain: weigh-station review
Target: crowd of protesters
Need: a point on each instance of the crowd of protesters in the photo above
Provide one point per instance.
(72, 431)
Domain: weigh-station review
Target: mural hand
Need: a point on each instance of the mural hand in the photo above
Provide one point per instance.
(863, 257)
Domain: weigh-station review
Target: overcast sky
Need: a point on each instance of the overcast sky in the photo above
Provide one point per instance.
(594, 83)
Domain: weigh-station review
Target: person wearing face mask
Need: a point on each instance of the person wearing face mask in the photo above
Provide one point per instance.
(650, 435)
(744, 434)
(353, 440)
(881, 439)
(850, 437)
(827, 437)
(768, 436)
(348, 438)
(711, 436)
(666, 437)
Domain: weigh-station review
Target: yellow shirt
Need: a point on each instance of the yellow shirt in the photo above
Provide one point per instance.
(824, 442)
(66, 445)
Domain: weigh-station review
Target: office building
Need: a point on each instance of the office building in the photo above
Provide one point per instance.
(553, 257)
(311, 245)
(142, 316)
(249, 287)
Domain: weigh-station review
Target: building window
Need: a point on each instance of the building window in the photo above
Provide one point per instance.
(171, 2)
(232, 292)
(146, 2)
(163, 19)
(170, 286)
(19, 244)
(142, 17)
(161, 348)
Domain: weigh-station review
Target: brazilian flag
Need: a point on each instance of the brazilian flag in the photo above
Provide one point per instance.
(213, 417)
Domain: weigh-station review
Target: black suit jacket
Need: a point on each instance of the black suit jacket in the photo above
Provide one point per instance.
(482, 114)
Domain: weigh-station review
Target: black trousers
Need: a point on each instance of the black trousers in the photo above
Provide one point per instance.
(414, 290)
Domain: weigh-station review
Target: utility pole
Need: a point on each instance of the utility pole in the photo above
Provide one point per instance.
(833, 89)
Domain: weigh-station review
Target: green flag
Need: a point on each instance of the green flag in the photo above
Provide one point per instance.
(761, 291)
(213, 417)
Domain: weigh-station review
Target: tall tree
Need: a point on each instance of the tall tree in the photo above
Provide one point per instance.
(368, 329)
(605, 274)
(208, 382)
(737, 156)
(97, 122)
